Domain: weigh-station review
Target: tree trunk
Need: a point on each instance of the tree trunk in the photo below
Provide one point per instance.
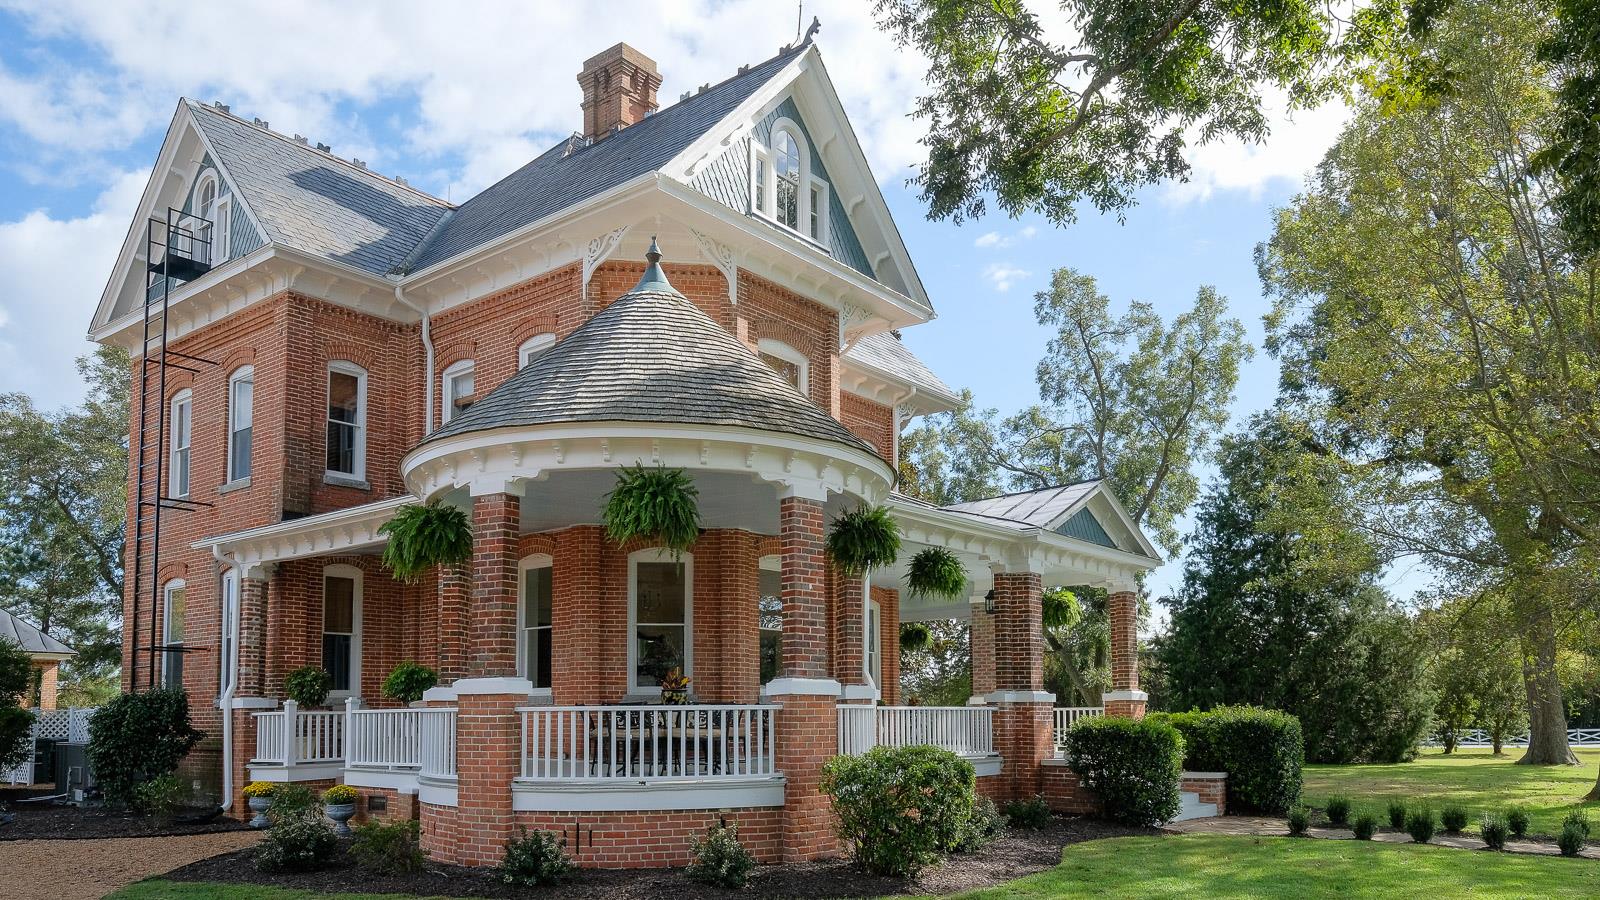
(1547, 718)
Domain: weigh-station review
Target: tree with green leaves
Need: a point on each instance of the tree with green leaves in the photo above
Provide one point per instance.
(1434, 321)
(1091, 100)
(1476, 667)
(16, 723)
(1273, 616)
(62, 509)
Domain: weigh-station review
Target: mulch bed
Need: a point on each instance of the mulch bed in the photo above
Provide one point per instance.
(46, 821)
(1020, 852)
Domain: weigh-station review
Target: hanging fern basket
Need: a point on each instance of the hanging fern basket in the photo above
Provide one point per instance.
(936, 572)
(422, 536)
(915, 636)
(658, 504)
(866, 538)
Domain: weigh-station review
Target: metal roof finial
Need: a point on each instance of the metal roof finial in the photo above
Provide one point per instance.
(653, 279)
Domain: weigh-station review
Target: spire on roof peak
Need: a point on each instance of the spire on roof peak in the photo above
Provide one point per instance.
(653, 278)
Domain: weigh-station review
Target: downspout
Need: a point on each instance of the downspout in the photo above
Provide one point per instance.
(232, 663)
(427, 356)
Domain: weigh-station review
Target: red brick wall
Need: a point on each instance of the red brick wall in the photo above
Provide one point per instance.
(492, 625)
(49, 672)
(805, 603)
(888, 601)
(872, 422)
(1063, 790)
(981, 640)
(622, 840)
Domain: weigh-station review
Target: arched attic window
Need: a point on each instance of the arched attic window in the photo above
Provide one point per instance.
(785, 183)
(786, 361)
(209, 205)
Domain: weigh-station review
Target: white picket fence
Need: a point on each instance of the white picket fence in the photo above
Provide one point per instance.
(1067, 715)
(70, 724)
(648, 743)
(438, 747)
(294, 736)
(1479, 737)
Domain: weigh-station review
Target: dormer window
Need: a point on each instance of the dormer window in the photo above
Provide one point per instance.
(784, 184)
(210, 205)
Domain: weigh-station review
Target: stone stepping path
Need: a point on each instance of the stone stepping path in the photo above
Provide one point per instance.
(1266, 826)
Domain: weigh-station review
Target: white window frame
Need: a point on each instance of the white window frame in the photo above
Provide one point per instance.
(207, 178)
(343, 571)
(453, 371)
(359, 460)
(529, 563)
(532, 347)
(222, 231)
(180, 455)
(764, 183)
(770, 563)
(167, 590)
(241, 374)
(658, 554)
(787, 353)
(872, 636)
(230, 611)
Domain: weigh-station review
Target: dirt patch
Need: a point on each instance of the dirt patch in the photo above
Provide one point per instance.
(1020, 852)
(55, 822)
(86, 870)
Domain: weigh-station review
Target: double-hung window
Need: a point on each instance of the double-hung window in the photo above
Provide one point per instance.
(534, 622)
(769, 610)
(786, 183)
(341, 628)
(660, 592)
(347, 420)
(180, 436)
(226, 660)
(459, 383)
(172, 634)
(241, 418)
(874, 655)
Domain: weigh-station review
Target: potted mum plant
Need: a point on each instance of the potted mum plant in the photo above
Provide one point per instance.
(675, 688)
(339, 804)
(259, 796)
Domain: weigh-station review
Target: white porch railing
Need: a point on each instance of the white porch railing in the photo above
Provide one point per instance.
(647, 743)
(292, 736)
(1067, 715)
(966, 730)
(437, 744)
(394, 738)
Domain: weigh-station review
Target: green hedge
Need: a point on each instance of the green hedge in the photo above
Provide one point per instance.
(1134, 767)
(1262, 751)
(900, 808)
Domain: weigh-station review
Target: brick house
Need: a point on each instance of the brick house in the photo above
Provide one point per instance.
(45, 653)
(349, 344)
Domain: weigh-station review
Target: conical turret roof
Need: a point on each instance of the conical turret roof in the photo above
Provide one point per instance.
(651, 356)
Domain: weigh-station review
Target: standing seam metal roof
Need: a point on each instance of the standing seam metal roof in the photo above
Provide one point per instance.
(29, 636)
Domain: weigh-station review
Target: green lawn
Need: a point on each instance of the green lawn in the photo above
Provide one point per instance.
(1473, 778)
(1218, 866)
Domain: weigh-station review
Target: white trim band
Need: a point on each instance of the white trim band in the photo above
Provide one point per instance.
(478, 687)
(627, 796)
(1132, 696)
(804, 687)
(1022, 697)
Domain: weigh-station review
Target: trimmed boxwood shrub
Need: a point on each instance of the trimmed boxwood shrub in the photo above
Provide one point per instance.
(1571, 840)
(1420, 825)
(1338, 810)
(1453, 817)
(1517, 819)
(137, 737)
(1365, 826)
(1133, 766)
(1299, 820)
(1397, 815)
(1262, 750)
(899, 808)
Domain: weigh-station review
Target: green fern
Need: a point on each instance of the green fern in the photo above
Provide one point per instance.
(936, 572)
(915, 636)
(659, 504)
(424, 536)
(865, 538)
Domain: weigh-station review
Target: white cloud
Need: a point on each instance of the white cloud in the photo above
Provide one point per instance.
(55, 271)
(1003, 275)
(990, 239)
(489, 84)
(1295, 146)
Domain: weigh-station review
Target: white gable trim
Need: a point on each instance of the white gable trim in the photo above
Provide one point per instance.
(1120, 512)
(854, 174)
(168, 168)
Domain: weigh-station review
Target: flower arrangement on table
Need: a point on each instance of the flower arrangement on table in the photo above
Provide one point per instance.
(675, 688)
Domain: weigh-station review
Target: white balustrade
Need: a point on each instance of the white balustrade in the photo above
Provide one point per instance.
(1067, 715)
(384, 738)
(293, 736)
(437, 743)
(647, 743)
(965, 730)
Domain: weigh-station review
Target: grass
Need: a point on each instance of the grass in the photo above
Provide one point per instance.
(188, 890)
(1221, 866)
(1474, 778)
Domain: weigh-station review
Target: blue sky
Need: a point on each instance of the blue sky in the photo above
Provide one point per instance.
(454, 96)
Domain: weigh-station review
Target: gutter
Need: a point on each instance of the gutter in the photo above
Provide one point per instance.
(232, 663)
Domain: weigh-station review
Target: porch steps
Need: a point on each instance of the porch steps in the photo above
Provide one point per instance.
(1192, 808)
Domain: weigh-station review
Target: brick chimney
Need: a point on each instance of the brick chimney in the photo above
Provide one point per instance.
(619, 89)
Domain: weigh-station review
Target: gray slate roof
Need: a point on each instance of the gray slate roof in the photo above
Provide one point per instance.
(318, 203)
(887, 354)
(1038, 508)
(570, 172)
(653, 357)
(32, 639)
